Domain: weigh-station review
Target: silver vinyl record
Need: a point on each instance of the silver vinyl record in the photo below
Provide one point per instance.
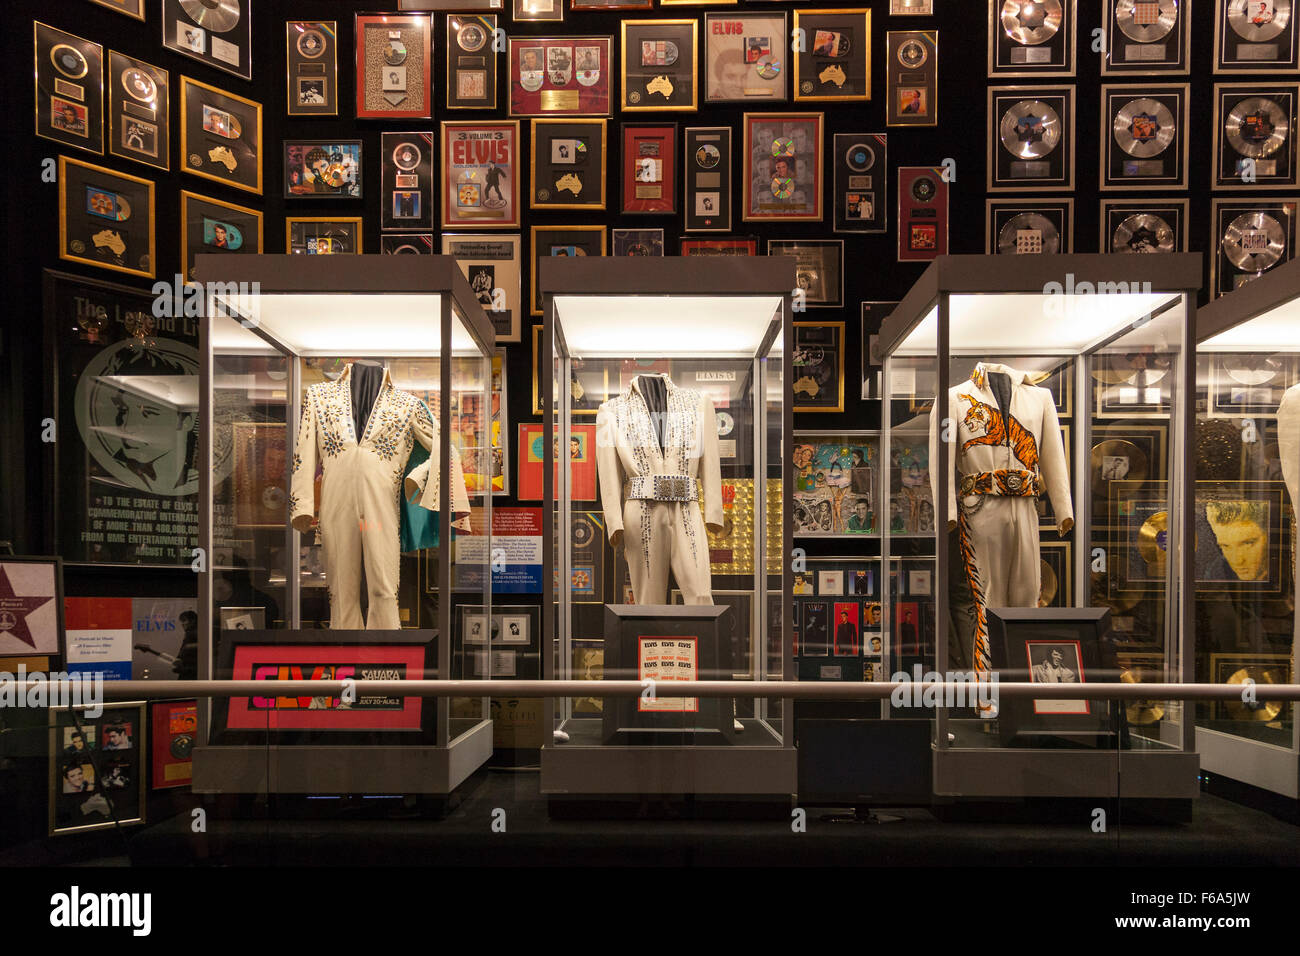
(1256, 21)
(1252, 369)
(1031, 22)
(1144, 127)
(1145, 21)
(1254, 241)
(215, 15)
(1256, 127)
(1010, 238)
(1143, 232)
(1030, 129)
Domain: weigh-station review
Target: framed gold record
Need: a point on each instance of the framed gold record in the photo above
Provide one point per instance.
(132, 8)
(69, 88)
(139, 111)
(221, 136)
(1263, 669)
(106, 218)
(1132, 451)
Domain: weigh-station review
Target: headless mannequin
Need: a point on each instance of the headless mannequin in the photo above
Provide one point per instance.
(367, 377)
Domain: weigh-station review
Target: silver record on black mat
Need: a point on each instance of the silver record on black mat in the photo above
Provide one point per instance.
(1254, 241)
(1049, 237)
(1255, 22)
(1144, 127)
(219, 16)
(1142, 232)
(1143, 21)
(1256, 127)
(1030, 129)
(1031, 22)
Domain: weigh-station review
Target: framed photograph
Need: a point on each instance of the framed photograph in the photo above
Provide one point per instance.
(922, 213)
(471, 62)
(173, 731)
(132, 8)
(708, 166)
(568, 164)
(818, 367)
(221, 136)
(1254, 135)
(1144, 137)
(480, 174)
(819, 268)
(539, 10)
(745, 57)
(638, 242)
(97, 769)
(214, 226)
(31, 607)
(312, 77)
(1138, 225)
(242, 618)
(406, 244)
(1254, 36)
(69, 88)
(106, 218)
(836, 64)
(406, 202)
(139, 110)
(589, 382)
(1031, 138)
(649, 168)
(912, 78)
(320, 169)
(220, 36)
(848, 632)
(491, 264)
(660, 72)
(783, 166)
(1018, 228)
(560, 76)
(861, 179)
(561, 241)
(1147, 37)
(1250, 237)
(836, 485)
(582, 461)
(394, 66)
(323, 235)
(735, 246)
(1032, 38)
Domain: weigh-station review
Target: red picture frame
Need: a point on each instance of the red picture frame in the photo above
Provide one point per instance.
(173, 732)
(649, 168)
(742, 246)
(582, 475)
(472, 197)
(552, 76)
(421, 108)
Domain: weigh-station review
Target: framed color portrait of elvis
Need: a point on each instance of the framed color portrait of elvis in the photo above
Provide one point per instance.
(744, 57)
(97, 771)
(783, 166)
(217, 227)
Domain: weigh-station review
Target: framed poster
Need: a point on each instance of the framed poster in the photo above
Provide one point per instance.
(539, 10)
(69, 88)
(835, 64)
(221, 136)
(480, 174)
(132, 8)
(394, 66)
(1254, 36)
(491, 264)
(560, 76)
(660, 72)
(214, 226)
(638, 242)
(744, 57)
(139, 110)
(1250, 237)
(471, 62)
(322, 169)
(106, 219)
(561, 241)
(1254, 135)
(1147, 37)
(96, 768)
(1139, 225)
(1031, 138)
(173, 732)
(582, 461)
(1032, 37)
(818, 367)
(406, 180)
(312, 76)
(783, 166)
(912, 78)
(1017, 227)
(31, 607)
(835, 490)
(220, 35)
(861, 180)
(1144, 137)
(649, 168)
(567, 164)
(323, 235)
(406, 244)
(738, 246)
(922, 213)
(708, 166)
(819, 268)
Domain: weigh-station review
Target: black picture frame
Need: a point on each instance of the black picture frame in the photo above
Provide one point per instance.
(407, 168)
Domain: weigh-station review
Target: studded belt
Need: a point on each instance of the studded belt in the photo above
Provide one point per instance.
(1007, 482)
(661, 488)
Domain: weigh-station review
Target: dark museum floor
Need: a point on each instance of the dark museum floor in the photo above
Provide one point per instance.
(299, 832)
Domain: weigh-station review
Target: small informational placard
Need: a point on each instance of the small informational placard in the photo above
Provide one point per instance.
(516, 557)
(665, 659)
(99, 636)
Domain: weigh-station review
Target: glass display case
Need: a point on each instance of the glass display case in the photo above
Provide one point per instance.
(1247, 485)
(678, 467)
(345, 400)
(1050, 473)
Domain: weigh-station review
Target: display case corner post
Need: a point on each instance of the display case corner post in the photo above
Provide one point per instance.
(945, 464)
(205, 490)
(545, 361)
(444, 512)
(1185, 409)
(787, 511)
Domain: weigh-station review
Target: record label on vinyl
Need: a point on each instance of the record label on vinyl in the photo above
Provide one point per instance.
(1028, 233)
(1144, 127)
(1146, 21)
(1031, 22)
(1258, 21)
(1030, 129)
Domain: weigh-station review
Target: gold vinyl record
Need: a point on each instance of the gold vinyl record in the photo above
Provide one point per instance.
(138, 84)
(218, 16)
(1258, 22)
(1141, 712)
(69, 61)
(1251, 369)
(1256, 127)
(1049, 586)
(1030, 129)
(1254, 241)
(1142, 232)
(1031, 22)
(1144, 127)
(1026, 233)
(1120, 604)
(334, 175)
(1116, 460)
(1263, 710)
(1146, 21)
(1153, 542)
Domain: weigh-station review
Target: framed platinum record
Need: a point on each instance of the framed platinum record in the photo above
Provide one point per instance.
(861, 182)
(1031, 138)
(1032, 37)
(1147, 37)
(1144, 137)
(1018, 228)
(1255, 36)
(1254, 135)
(1251, 236)
(1142, 226)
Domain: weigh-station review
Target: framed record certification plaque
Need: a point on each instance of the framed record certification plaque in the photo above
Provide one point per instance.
(835, 63)
(322, 169)
(707, 164)
(1144, 136)
(819, 268)
(1032, 37)
(783, 166)
(106, 218)
(221, 136)
(649, 168)
(492, 266)
(560, 76)
(1141, 226)
(861, 178)
(311, 52)
(323, 235)
(660, 72)
(567, 164)
(1250, 237)
(732, 246)
(216, 32)
(1031, 137)
(637, 242)
(471, 62)
(69, 89)
(561, 241)
(216, 227)
(394, 66)
(1255, 36)
(1147, 37)
(406, 202)
(406, 244)
(922, 213)
(480, 174)
(1255, 135)
(744, 58)
(1016, 227)
(912, 78)
(139, 107)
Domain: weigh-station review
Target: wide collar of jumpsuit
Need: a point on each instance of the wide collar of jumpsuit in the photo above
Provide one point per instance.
(984, 369)
(344, 385)
(640, 409)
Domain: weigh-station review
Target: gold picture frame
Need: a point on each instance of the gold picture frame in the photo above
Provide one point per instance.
(628, 99)
(356, 221)
(193, 163)
(537, 128)
(73, 249)
(187, 198)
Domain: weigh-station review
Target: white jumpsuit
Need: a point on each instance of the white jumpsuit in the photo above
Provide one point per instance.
(359, 505)
(1288, 443)
(668, 532)
(1002, 460)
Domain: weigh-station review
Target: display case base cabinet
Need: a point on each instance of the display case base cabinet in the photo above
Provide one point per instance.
(1250, 761)
(347, 769)
(592, 771)
(1066, 773)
